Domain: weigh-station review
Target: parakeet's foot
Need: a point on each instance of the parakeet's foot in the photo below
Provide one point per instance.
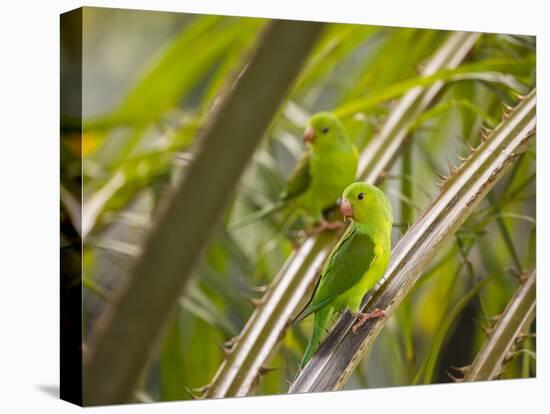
(327, 225)
(363, 317)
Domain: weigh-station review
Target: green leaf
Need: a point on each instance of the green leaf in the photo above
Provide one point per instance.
(177, 70)
(172, 363)
(475, 71)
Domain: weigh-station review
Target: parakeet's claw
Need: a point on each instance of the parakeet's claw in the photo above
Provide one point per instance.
(363, 317)
(327, 225)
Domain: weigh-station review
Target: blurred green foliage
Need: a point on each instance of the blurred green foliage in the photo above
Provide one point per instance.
(133, 150)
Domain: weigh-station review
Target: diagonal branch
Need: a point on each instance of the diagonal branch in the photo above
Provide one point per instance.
(251, 350)
(520, 311)
(125, 335)
(342, 351)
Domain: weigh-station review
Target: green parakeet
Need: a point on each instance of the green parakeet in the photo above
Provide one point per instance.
(355, 264)
(326, 168)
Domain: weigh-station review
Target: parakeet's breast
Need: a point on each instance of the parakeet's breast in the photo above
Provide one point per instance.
(332, 171)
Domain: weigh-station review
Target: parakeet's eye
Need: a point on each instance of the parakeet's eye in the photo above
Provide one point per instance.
(361, 196)
(325, 130)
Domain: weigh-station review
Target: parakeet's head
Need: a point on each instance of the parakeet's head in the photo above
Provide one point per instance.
(364, 203)
(323, 127)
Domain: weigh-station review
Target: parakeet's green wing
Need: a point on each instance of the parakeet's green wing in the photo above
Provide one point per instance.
(349, 261)
(299, 180)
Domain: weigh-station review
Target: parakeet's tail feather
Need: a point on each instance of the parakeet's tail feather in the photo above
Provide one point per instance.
(322, 318)
(266, 211)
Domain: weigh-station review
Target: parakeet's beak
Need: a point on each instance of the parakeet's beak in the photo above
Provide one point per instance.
(309, 135)
(346, 209)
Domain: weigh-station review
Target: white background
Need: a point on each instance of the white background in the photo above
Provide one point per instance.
(29, 207)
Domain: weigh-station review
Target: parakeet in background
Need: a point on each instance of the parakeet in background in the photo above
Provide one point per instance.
(355, 264)
(326, 168)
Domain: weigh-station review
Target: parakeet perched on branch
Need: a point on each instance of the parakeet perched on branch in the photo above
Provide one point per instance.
(356, 263)
(326, 168)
